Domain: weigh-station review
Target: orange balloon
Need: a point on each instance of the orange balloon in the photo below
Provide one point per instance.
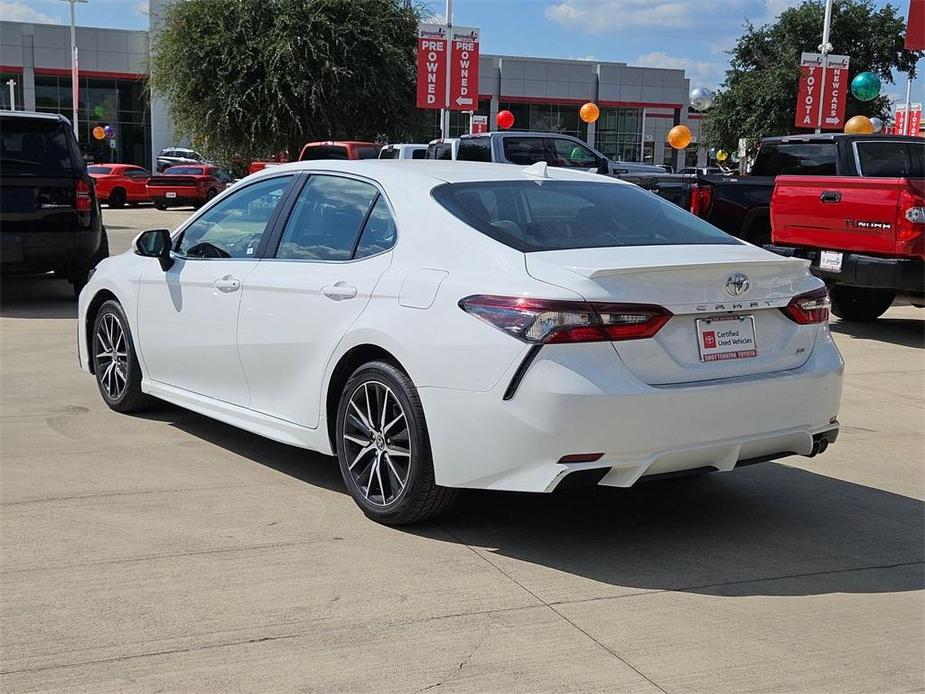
(99, 133)
(859, 125)
(680, 136)
(589, 112)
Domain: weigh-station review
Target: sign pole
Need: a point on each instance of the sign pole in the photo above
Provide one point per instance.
(825, 48)
(907, 125)
(445, 113)
(11, 83)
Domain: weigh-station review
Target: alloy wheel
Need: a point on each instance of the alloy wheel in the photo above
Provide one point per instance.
(377, 443)
(111, 355)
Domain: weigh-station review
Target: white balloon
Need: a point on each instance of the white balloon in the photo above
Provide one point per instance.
(877, 123)
(702, 98)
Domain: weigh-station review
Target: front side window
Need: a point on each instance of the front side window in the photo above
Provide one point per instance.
(571, 154)
(326, 219)
(233, 228)
(557, 215)
(524, 150)
(389, 153)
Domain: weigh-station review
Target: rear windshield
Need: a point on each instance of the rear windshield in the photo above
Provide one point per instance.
(474, 150)
(184, 171)
(557, 215)
(795, 159)
(99, 169)
(890, 159)
(35, 147)
(388, 153)
(419, 153)
(324, 152)
(367, 151)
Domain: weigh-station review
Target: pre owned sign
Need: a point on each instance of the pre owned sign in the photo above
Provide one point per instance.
(443, 50)
(432, 50)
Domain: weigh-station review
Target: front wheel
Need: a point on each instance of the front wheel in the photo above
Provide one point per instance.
(115, 364)
(383, 448)
(860, 303)
(116, 199)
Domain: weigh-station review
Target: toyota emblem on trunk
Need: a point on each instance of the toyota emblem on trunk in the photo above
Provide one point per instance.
(737, 284)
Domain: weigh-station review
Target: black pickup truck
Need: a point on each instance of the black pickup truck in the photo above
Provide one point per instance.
(741, 205)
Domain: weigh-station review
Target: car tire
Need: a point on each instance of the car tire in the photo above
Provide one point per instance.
(160, 206)
(860, 303)
(115, 363)
(116, 199)
(386, 463)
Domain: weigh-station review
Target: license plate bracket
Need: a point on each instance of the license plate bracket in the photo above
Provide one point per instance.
(171, 194)
(830, 261)
(725, 337)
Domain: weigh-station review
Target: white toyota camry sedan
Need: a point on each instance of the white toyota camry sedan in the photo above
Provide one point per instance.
(438, 325)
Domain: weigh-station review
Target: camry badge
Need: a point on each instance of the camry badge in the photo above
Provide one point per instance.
(737, 284)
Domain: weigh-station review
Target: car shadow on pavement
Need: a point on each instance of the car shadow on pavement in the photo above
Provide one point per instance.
(765, 530)
(36, 296)
(898, 331)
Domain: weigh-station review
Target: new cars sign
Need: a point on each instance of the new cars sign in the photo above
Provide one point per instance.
(822, 91)
(448, 56)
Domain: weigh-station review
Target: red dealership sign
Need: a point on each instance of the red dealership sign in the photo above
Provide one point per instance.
(899, 119)
(835, 92)
(464, 69)
(432, 50)
(822, 91)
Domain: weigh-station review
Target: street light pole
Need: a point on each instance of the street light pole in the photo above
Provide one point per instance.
(446, 115)
(75, 70)
(825, 48)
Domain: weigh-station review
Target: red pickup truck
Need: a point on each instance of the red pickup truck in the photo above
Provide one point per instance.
(864, 235)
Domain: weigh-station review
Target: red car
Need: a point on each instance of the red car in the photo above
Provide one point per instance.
(117, 184)
(344, 149)
(184, 185)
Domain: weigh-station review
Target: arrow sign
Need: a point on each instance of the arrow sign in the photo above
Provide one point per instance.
(464, 68)
(463, 101)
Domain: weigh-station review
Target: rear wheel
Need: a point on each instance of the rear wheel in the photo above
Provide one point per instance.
(116, 198)
(860, 303)
(383, 448)
(160, 205)
(115, 364)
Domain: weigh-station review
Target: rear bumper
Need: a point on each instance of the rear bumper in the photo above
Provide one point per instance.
(179, 201)
(48, 250)
(903, 275)
(568, 404)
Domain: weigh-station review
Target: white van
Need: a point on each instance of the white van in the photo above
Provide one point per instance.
(403, 151)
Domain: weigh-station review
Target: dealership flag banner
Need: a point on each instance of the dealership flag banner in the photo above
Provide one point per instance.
(432, 65)
(899, 119)
(915, 27)
(822, 91)
(464, 69)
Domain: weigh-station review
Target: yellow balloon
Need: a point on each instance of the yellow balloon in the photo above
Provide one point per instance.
(859, 125)
(589, 112)
(679, 136)
(721, 155)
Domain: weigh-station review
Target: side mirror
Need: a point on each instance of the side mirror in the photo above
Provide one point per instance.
(155, 243)
(603, 166)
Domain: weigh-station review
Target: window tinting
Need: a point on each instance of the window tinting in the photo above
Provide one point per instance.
(367, 151)
(478, 149)
(524, 150)
(554, 215)
(137, 173)
(35, 147)
(326, 219)
(233, 227)
(184, 171)
(796, 159)
(419, 153)
(324, 152)
(379, 233)
(102, 170)
(389, 153)
(889, 159)
(571, 154)
(442, 151)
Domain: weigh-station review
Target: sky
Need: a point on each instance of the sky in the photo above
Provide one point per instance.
(689, 34)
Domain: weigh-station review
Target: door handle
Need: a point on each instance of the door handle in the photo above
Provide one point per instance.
(830, 196)
(227, 284)
(339, 291)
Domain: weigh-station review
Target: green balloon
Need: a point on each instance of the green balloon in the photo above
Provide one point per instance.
(865, 86)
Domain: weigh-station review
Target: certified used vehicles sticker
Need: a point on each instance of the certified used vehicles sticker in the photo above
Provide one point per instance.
(726, 337)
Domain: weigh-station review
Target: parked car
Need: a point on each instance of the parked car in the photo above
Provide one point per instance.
(117, 184)
(864, 235)
(172, 156)
(741, 205)
(442, 148)
(469, 325)
(50, 216)
(345, 149)
(403, 151)
(180, 186)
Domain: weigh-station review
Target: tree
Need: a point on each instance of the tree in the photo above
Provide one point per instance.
(758, 97)
(246, 78)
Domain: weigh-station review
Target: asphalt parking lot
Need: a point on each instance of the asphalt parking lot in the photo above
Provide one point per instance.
(170, 552)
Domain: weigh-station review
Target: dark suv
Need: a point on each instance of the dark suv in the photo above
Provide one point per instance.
(49, 212)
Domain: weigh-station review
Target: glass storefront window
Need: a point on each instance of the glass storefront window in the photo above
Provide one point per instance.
(619, 133)
(547, 118)
(5, 77)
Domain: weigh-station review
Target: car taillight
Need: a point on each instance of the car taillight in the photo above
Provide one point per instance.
(701, 197)
(812, 307)
(910, 223)
(550, 321)
(83, 197)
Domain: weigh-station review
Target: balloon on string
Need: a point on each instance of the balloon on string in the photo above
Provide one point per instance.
(859, 125)
(589, 112)
(99, 133)
(734, 157)
(504, 119)
(680, 136)
(865, 86)
(702, 98)
(721, 155)
(108, 131)
(98, 111)
(877, 123)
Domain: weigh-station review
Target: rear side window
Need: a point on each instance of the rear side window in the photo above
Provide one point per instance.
(442, 151)
(889, 159)
(474, 150)
(572, 154)
(324, 152)
(795, 159)
(137, 173)
(556, 215)
(326, 219)
(379, 233)
(418, 154)
(35, 147)
(102, 170)
(524, 150)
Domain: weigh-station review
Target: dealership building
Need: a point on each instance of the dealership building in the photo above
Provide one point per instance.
(638, 104)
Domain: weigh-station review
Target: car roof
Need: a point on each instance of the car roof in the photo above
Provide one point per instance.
(516, 133)
(34, 115)
(430, 172)
(340, 142)
(831, 137)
